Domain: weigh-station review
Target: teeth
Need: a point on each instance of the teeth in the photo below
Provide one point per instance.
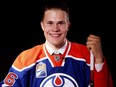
(55, 35)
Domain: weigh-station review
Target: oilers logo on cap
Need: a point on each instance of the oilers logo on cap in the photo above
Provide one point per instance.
(59, 80)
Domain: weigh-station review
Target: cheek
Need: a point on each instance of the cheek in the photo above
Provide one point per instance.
(46, 30)
(65, 29)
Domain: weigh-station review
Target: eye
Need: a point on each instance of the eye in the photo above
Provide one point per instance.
(50, 22)
(61, 22)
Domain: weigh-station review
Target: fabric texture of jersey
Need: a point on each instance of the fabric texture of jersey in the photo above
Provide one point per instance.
(36, 68)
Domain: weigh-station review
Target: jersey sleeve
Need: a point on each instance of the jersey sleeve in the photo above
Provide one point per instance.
(21, 71)
(103, 78)
(15, 78)
(17, 75)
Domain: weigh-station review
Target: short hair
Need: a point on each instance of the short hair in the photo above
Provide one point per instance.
(55, 4)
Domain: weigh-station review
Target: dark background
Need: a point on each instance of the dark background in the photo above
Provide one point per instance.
(20, 28)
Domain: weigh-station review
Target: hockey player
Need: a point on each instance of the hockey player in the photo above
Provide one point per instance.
(59, 62)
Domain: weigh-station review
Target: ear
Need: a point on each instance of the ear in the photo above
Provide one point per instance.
(41, 23)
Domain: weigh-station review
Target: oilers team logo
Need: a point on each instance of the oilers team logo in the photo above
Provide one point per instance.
(59, 80)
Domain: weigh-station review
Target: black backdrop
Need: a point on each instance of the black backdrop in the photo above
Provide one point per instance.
(20, 28)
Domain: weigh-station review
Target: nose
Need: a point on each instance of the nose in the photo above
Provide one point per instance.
(56, 28)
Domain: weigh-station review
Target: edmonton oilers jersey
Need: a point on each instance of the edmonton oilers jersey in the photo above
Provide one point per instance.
(35, 67)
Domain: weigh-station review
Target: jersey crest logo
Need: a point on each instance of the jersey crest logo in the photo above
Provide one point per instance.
(59, 80)
(41, 70)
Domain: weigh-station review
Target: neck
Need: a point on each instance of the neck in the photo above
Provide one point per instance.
(56, 47)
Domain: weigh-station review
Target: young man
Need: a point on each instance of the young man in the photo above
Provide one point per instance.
(59, 62)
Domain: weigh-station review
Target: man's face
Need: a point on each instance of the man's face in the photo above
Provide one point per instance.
(55, 25)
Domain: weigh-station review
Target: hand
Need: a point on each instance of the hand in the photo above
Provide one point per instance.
(94, 43)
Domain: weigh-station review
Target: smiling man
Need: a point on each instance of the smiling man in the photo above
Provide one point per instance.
(59, 62)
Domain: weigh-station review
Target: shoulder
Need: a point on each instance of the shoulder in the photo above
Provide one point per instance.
(79, 50)
(78, 46)
(32, 50)
(29, 56)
